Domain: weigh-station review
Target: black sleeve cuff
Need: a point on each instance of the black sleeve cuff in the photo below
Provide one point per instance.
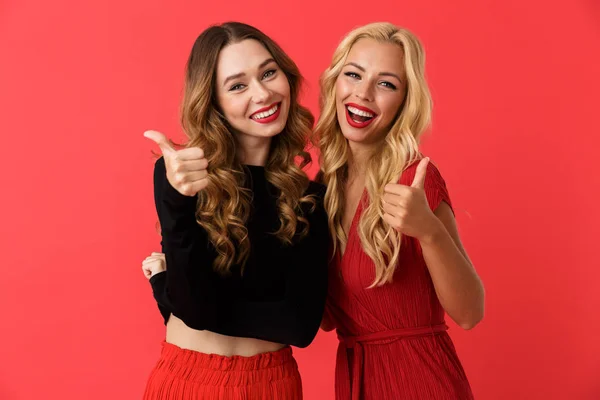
(174, 198)
(158, 283)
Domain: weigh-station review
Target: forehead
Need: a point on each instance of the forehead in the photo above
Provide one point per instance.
(377, 56)
(242, 57)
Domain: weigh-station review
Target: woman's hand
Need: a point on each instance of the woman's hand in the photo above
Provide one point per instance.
(153, 264)
(406, 208)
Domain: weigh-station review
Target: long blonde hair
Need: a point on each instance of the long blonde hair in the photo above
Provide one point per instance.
(399, 148)
(224, 205)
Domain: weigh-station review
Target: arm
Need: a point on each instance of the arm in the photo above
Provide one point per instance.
(185, 249)
(456, 282)
(155, 264)
(422, 211)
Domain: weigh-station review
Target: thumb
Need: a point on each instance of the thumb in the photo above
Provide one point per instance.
(161, 140)
(419, 181)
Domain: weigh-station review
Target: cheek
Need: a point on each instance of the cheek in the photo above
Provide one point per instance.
(390, 105)
(282, 86)
(233, 107)
(286, 87)
(342, 90)
(341, 93)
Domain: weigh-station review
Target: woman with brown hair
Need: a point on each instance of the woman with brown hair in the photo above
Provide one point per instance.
(244, 231)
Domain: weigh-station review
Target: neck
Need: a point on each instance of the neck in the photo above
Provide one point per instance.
(360, 154)
(253, 150)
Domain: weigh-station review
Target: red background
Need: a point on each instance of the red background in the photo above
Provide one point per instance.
(515, 134)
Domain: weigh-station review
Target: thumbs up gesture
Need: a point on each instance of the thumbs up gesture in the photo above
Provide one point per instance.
(406, 208)
(186, 169)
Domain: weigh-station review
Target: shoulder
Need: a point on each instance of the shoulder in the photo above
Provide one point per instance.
(316, 189)
(317, 192)
(315, 213)
(434, 185)
(314, 210)
(319, 178)
(433, 176)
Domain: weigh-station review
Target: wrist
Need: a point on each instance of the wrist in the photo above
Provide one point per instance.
(434, 233)
(155, 273)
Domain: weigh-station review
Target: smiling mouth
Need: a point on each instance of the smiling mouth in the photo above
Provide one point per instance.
(359, 117)
(266, 114)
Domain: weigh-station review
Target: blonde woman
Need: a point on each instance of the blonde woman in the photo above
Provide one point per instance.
(399, 265)
(244, 231)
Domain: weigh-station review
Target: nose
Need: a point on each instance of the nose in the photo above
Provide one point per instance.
(260, 93)
(364, 91)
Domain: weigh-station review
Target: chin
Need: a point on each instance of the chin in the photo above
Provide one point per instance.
(355, 137)
(267, 132)
(272, 132)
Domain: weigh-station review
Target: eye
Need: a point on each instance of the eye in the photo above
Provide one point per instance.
(237, 87)
(388, 85)
(269, 73)
(352, 75)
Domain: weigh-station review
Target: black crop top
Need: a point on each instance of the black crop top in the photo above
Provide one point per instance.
(280, 297)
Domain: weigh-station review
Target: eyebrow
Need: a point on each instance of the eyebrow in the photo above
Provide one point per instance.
(236, 76)
(380, 74)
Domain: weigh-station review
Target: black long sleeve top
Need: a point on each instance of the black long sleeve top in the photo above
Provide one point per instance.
(280, 296)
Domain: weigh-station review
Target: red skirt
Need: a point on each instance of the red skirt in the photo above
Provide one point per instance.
(186, 374)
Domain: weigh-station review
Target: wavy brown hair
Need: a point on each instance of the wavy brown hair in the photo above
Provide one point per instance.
(224, 205)
(399, 148)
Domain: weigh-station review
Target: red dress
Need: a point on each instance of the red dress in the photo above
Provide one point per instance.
(393, 339)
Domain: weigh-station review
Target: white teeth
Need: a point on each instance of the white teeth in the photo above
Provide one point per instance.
(362, 113)
(267, 113)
